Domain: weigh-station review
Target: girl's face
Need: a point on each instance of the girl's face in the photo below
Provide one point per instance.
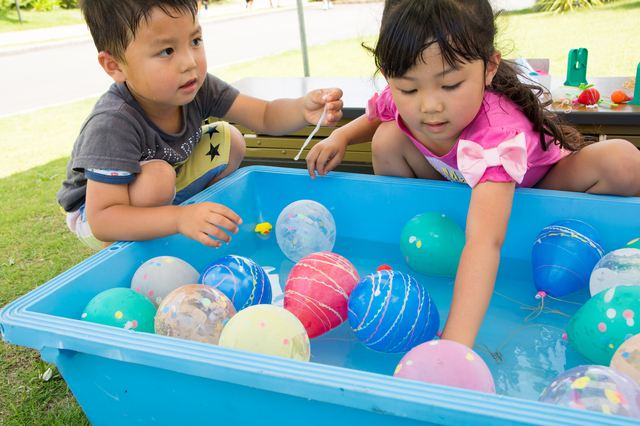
(436, 101)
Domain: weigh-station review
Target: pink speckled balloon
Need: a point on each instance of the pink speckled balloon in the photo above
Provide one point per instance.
(449, 363)
(317, 291)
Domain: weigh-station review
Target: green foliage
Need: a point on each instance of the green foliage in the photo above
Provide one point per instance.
(8, 7)
(44, 5)
(69, 4)
(564, 5)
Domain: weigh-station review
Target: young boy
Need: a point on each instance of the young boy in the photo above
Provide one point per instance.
(143, 149)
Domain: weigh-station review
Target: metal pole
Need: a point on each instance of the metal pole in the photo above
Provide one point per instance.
(18, 9)
(303, 38)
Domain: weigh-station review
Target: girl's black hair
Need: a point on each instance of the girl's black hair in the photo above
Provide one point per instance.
(114, 23)
(464, 31)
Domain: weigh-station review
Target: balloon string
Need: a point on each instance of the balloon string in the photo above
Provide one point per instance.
(541, 308)
(322, 117)
(497, 356)
(536, 311)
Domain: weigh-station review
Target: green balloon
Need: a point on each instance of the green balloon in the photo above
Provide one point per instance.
(123, 308)
(604, 322)
(432, 244)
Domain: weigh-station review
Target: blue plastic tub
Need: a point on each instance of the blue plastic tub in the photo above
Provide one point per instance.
(121, 377)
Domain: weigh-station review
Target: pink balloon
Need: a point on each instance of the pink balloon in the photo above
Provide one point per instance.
(449, 363)
(317, 291)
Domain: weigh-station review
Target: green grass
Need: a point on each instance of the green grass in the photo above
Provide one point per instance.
(62, 123)
(32, 19)
(35, 245)
(34, 248)
(608, 33)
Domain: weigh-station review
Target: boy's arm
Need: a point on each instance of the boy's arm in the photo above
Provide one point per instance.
(112, 218)
(326, 155)
(284, 116)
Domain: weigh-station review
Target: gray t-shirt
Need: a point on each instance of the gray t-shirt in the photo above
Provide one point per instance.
(118, 134)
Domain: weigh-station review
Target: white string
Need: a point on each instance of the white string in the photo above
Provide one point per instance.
(324, 115)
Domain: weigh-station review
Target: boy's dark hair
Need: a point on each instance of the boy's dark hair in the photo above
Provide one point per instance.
(114, 23)
(464, 30)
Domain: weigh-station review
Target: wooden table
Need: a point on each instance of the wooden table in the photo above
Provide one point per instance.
(605, 122)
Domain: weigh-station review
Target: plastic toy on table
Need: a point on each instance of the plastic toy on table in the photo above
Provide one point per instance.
(587, 95)
(619, 96)
(636, 91)
(577, 67)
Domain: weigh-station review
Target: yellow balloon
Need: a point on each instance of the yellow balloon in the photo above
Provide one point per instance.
(267, 329)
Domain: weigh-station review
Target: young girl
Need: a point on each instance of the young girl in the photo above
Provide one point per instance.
(453, 110)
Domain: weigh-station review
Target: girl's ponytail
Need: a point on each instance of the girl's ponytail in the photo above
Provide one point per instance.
(528, 98)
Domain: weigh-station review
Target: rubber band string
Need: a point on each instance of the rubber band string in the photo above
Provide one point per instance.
(322, 117)
(536, 311)
(629, 84)
(497, 356)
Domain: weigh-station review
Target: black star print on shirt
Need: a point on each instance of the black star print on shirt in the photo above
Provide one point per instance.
(213, 151)
(211, 130)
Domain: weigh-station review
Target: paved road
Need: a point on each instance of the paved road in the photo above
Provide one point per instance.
(70, 71)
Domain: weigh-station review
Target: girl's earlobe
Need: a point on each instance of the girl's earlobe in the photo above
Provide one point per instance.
(111, 66)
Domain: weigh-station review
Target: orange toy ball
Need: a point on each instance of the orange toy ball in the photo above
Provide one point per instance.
(618, 96)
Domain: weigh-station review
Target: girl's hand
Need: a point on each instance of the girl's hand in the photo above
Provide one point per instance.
(202, 221)
(314, 102)
(326, 155)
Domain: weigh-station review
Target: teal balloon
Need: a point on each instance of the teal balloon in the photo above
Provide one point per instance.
(604, 322)
(432, 244)
(123, 308)
(635, 243)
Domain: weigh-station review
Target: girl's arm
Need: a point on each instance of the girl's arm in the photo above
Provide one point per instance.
(487, 221)
(284, 116)
(326, 155)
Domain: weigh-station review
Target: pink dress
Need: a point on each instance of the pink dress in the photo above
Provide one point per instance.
(499, 122)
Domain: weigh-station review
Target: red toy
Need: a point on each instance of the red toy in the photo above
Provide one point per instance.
(589, 97)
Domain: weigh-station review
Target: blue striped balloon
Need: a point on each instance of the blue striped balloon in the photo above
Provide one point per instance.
(241, 279)
(391, 312)
(563, 256)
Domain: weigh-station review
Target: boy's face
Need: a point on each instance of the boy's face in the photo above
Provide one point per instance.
(165, 62)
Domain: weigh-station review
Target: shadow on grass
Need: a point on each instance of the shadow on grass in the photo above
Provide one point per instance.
(625, 6)
(9, 20)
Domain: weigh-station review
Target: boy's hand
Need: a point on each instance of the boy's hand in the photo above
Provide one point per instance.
(326, 155)
(314, 103)
(202, 221)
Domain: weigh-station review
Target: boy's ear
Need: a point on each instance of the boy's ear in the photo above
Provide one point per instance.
(492, 67)
(111, 66)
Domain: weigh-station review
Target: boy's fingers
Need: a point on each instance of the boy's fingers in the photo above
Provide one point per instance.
(216, 232)
(332, 94)
(229, 217)
(335, 105)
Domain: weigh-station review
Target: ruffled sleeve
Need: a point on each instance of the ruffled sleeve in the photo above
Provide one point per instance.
(381, 107)
(497, 154)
